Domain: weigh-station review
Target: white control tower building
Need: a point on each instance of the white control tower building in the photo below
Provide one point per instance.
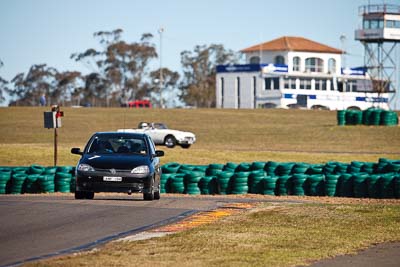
(380, 35)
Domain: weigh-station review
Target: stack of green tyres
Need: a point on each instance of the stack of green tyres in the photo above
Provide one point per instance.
(270, 167)
(223, 181)
(283, 185)
(345, 185)
(269, 185)
(355, 179)
(207, 185)
(5, 178)
(256, 184)
(191, 180)
(299, 184)
(371, 116)
(360, 187)
(315, 185)
(331, 185)
(177, 184)
(341, 117)
(36, 179)
(239, 183)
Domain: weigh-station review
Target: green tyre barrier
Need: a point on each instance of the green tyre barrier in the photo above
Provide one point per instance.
(299, 184)
(300, 168)
(17, 181)
(230, 166)
(177, 184)
(284, 185)
(36, 169)
(223, 180)
(63, 182)
(256, 182)
(172, 167)
(315, 185)
(341, 117)
(331, 185)
(191, 180)
(386, 185)
(397, 186)
(5, 178)
(360, 187)
(239, 183)
(271, 167)
(50, 170)
(46, 183)
(373, 186)
(31, 185)
(207, 185)
(270, 185)
(257, 165)
(345, 185)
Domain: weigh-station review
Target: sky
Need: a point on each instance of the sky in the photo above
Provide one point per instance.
(49, 31)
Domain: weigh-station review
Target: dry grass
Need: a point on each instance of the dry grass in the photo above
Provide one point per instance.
(273, 235)
(222, 135)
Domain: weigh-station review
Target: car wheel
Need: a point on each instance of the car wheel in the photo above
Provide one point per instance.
(89, 195)
(170, 141)
(79, 195)
(157, 193)
(185, 146)
(149, 195)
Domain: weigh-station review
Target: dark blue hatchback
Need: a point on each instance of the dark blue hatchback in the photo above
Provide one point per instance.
(118, 162)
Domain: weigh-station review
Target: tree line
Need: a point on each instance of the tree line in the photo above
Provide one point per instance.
(118, 73)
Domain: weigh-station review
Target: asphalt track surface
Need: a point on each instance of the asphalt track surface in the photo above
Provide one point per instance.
(38, 226)
(33, 227)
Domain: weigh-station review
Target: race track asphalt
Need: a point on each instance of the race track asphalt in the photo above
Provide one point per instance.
(35, 226)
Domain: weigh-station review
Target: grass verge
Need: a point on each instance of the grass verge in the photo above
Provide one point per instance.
(271, 235)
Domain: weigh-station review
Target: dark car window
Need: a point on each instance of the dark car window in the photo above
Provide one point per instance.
(117, 144)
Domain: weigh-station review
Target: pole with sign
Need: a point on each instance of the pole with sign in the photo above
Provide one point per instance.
(53, 120)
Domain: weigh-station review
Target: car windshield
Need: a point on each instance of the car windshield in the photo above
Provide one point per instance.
(159, 126)
(117, 144)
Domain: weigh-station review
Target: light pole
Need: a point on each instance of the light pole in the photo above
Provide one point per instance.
(160, 31)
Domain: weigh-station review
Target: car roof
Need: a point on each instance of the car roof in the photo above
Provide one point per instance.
(121, 134)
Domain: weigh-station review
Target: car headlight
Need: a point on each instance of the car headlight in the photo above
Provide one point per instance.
(141, 170)
(85, 168)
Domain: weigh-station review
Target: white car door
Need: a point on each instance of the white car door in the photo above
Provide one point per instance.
(157, 136)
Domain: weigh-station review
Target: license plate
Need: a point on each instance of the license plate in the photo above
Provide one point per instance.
(112, 179)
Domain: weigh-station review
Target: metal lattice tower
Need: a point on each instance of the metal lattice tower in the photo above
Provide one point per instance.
(380, 35)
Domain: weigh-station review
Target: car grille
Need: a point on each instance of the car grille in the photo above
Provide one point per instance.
(108, 171)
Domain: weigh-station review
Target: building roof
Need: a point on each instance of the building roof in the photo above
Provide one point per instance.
(290, 43)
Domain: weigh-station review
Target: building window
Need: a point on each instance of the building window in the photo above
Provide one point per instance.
(293, 83)
(331, 65)
(317, 85)
(271, 83)
(305, 84)
(323, 85)
(255, 60)
(279, 60)
(314, 64)
(351, 86)
(222, 91)
(393, 23)
(296, 64)
(238, 91)
(286, 83)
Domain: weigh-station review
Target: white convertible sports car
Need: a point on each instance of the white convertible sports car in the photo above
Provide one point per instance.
(161, 135)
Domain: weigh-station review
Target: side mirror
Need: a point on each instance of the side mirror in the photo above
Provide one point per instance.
(76, 150)
(159, 153)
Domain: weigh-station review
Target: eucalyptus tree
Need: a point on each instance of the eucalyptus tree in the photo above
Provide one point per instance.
(199, 71)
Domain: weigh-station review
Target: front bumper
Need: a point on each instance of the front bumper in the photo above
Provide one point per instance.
(124, 183)
(186, 141)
